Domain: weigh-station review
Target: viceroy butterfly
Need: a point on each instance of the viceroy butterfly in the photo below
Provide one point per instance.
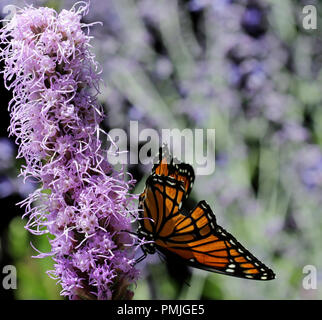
(195, 238)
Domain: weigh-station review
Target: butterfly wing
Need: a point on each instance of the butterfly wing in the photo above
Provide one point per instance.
(196, 238)
(159, 202)
(203, 244)
(169, 167)
(162, 162)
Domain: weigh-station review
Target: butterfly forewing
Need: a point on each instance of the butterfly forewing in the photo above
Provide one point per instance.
(160, 202)
(169, 167)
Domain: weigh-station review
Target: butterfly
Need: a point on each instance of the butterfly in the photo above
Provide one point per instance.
(192, 236)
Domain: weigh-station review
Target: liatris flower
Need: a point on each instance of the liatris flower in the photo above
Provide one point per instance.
(83, 201)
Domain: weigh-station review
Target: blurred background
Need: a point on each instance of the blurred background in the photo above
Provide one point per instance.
(246, 68)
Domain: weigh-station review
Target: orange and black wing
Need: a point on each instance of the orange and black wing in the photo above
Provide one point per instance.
(162, 162)
(165, 165)
(159, 202)
(203, 244)
(196, 238)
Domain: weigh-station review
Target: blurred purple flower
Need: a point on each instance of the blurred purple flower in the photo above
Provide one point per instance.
(309, 167)
(197, 5)
(84, 202)
(253, 20)
(6, 187)
(7, 152)
(252, 17)
(291, 132)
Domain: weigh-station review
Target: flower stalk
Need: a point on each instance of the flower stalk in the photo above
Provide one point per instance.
(82, 200)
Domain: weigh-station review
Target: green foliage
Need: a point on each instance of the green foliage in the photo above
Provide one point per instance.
(32, 281)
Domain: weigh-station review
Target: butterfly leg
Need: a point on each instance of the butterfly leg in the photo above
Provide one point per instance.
(141, 258)
(130, 232)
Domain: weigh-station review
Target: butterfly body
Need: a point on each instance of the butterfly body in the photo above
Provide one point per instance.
(194, 237)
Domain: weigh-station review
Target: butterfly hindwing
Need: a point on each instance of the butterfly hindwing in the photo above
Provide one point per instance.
(205, 245)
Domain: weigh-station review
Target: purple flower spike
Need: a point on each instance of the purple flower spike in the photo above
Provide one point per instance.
(83, 201)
